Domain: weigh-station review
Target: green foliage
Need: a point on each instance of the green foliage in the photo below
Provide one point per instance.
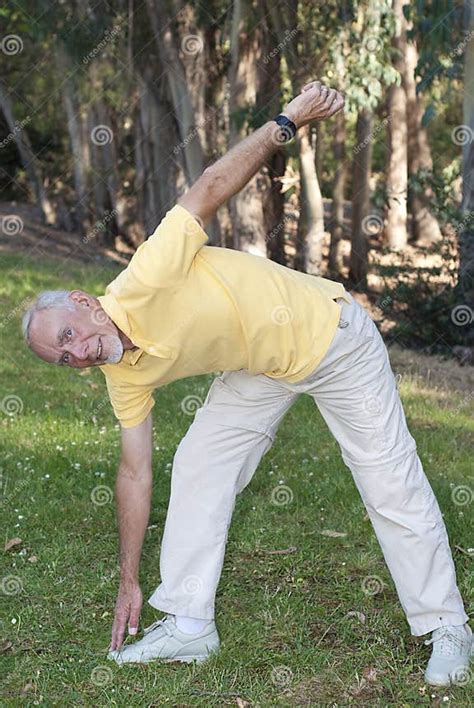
(437, 28)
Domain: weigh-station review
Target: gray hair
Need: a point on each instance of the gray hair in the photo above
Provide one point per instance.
(47, 300)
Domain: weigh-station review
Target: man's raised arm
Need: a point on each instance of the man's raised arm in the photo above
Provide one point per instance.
(230, 173)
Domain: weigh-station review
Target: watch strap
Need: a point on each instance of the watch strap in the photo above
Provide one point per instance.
(287, 128)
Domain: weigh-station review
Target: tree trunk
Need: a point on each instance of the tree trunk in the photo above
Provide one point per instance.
(311, 221)
(27, 156)
(180, 95)
(426, 230)
(466, 245)
(268, 106)
(75, 129)
(397, 176)
(361, 200)
(311, 205)
(246, 207)
(105, 141)
(158, 176)
(102, 206)
(337, 221)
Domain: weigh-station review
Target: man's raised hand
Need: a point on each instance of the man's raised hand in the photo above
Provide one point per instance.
(315, 102)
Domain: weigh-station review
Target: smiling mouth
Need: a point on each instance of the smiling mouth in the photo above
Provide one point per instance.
(99, 349)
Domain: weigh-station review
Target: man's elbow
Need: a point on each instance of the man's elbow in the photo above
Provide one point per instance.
(134, 472)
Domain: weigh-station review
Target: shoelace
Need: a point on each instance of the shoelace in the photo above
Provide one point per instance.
(159, 623)
(446, 642)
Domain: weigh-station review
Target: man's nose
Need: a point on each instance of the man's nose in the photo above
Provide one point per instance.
(80, 350)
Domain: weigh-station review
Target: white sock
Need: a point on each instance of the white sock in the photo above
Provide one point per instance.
(190, 625)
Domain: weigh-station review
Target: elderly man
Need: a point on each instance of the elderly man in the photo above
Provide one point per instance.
(183, 308)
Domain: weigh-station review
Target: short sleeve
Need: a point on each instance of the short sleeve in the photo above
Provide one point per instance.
(131, 404)
(166, 257)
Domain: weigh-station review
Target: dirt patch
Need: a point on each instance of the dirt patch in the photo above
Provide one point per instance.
(433, 371)
(23, 231)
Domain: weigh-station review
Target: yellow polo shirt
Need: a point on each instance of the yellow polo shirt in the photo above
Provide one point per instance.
(194, 309)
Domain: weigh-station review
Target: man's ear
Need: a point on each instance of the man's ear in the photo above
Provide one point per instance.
(79, 297)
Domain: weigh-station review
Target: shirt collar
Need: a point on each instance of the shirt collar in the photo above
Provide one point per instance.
(119, 317)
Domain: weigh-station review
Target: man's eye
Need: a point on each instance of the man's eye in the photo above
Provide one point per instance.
(68, 333)
(65, 358)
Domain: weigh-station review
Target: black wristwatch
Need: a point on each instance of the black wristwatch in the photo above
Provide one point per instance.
(287, 129)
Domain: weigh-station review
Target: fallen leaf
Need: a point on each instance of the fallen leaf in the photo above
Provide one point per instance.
(370, 673)
(282, 551)
(332, 534)
(241, 703)
(354, 613)
(27, 688)
(5, 646)
(11, 543)
(33, 559)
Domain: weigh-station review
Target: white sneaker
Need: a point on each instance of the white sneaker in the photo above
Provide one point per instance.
(449, 662)
(163, 640)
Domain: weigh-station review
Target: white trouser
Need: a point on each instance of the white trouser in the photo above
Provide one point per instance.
(355, 390)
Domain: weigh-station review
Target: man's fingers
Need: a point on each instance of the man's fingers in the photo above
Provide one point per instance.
(337, 105)
(118, 631)
(331, 97)
(310, 85)
(134, 619)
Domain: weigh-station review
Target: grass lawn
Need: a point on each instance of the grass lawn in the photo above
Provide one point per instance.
(316, 624)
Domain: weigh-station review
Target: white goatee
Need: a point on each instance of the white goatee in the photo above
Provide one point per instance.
(116, 350)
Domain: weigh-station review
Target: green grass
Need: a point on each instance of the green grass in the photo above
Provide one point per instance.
(287, 635)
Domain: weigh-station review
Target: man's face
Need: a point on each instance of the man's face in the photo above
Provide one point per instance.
(78, 337)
